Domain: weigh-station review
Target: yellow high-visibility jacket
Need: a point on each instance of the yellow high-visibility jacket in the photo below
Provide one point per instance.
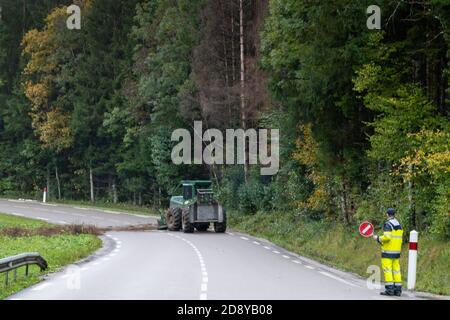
(391, 240)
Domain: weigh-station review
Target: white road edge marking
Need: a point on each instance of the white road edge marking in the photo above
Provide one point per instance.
(40, 287)
(244, 238)
(336, 278)
(266, 247)
(285, 256)
(276, 252)
(40, 218)
(16, 214)
(309, 267)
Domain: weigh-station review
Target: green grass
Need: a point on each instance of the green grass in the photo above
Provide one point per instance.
(10, 221)
(58, 250)
(344, 248)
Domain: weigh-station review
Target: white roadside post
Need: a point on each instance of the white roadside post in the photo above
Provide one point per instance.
(44, 200)
(412, 259)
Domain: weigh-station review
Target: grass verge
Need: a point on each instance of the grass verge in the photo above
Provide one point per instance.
(58, 249)
(344, 248)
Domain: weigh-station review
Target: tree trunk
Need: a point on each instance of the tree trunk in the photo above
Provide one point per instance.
(91, 183)
(58, 184)
(114, 190)
(24, 16)
(411, 206)
(344, 204)
(140, 198)
(159, 197)
(233, 51)
(48, 182)
(243, 113)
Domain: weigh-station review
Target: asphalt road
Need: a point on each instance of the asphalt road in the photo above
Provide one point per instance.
(65, 214)
(174, 265)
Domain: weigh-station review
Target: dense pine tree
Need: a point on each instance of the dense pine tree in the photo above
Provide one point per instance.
(364, 114)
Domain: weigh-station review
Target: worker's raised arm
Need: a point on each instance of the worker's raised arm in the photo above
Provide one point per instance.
(387, 234)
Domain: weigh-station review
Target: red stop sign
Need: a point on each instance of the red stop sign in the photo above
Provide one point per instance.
(366, 229)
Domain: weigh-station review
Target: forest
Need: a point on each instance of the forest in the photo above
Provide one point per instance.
(363, 114)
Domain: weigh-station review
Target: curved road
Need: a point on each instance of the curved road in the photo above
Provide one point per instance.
(174, 265)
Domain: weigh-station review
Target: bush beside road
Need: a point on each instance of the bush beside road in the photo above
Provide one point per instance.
(58, 249)
(341, 247)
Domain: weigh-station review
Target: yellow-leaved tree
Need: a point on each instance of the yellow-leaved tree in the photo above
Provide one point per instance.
(51, 58)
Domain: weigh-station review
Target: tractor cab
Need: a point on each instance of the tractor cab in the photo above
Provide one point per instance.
(191, 187)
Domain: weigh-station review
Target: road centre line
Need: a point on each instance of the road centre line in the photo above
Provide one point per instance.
(78, 214)
(204, 283)
(22, 207)
(61, 212)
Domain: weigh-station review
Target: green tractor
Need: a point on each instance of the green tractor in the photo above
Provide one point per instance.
(195, 209)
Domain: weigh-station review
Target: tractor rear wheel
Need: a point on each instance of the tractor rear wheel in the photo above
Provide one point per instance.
(173, 219)
(202, 226)
(188, 227)
(221, 227)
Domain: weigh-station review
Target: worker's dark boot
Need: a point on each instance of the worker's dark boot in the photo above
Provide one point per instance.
(398, 291)
(389, 291)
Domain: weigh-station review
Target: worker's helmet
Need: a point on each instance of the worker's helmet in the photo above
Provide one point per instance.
(390, 211)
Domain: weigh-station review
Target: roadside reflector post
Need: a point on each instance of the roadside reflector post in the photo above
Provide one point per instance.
(44, 199)
(412, 259)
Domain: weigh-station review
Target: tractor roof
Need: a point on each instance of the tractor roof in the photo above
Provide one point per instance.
(196, 182)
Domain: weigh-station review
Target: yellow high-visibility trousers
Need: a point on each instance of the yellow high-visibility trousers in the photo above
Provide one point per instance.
(391, 271)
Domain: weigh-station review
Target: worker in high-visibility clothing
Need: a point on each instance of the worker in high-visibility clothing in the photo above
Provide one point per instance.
(391, 246)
